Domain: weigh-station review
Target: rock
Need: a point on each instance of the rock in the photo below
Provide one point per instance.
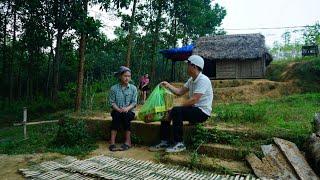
(296, 159)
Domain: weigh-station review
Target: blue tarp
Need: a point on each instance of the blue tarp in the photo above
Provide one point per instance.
(178, 54)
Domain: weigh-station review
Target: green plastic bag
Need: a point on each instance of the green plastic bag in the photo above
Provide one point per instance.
(157, 105)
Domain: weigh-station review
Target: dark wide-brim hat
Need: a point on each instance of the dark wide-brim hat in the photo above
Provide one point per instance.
(122, 70)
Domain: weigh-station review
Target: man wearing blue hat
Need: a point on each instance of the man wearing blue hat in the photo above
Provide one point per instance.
(122, 100)
(196, 109)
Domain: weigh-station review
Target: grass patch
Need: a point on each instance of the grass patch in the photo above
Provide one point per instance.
(305, 71)
(12, 112)
(43, 138)
(287, 117)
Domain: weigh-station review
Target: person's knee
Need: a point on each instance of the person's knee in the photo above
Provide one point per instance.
(127, 121)
(127, 126)
(176, 116)
(175, 112)
(115, 125)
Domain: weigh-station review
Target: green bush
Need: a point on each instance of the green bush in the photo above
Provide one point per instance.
(240, 112)
(305, 71)
(203, 135)
(71, 133)
(72, 138)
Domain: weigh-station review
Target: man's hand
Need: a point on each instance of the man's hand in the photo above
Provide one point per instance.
(165, 84)
(177, 91)
(193, 100)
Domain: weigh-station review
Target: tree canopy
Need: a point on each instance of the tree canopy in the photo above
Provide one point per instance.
(48, 45)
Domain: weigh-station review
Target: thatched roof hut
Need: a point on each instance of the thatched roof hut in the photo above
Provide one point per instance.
(238, 46)
(234, 56)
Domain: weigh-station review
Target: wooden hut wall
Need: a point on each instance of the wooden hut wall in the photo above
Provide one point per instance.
(226, 69)
(229, 69)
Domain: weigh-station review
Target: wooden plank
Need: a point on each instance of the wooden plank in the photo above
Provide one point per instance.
(33, 123)
(286, 170)
(297, 160)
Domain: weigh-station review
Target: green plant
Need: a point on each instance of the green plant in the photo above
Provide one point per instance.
(240, 112)
(194, 159)
(203, 135)
(136, 139)
(71, 133)
(39, 138)
(200, 136)
(72, 138)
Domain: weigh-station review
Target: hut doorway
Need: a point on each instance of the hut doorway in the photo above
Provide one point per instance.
(209, 68)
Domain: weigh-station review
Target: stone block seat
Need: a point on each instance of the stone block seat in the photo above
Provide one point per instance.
(142, 133)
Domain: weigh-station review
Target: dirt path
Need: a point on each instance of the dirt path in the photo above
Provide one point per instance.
(138, 152)
(9, 164)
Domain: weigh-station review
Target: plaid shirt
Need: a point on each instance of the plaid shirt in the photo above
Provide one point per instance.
(123, 96)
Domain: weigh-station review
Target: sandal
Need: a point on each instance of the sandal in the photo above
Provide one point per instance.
(112, 147)
(125, 147)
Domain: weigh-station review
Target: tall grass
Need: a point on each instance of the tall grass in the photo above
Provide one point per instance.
(69, 137)
(289, 116)
(305, 71)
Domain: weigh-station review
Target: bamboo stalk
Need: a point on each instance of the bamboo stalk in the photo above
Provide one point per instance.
(33, 123)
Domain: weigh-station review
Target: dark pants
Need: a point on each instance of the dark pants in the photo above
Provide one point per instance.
(121, 119)
(179, 114)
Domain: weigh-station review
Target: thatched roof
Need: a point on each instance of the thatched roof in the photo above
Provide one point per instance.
(238, 46)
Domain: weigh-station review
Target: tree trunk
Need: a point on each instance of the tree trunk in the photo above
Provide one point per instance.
(30, 76)
(57, 58)
(50, 60)
(19, 81)
(13, 54)
(48, 84)
(5, 57)
(175, 25)
(156, 39)
(141, 58)
(56, 65)
(82, 48)
(131, 34)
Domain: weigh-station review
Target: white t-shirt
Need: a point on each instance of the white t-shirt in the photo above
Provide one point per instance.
(201, 85)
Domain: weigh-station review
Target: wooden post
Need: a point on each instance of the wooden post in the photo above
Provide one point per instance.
(25, 122)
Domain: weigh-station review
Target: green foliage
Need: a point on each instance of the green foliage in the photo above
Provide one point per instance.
(240, 112)
(309, 75)
(39, 139)
(203, 135)
(194, 160)
(136, 139)
(287, 49)
(288, 117)
(11, 112)
(71, 133)
(305, 71)
(312, 34)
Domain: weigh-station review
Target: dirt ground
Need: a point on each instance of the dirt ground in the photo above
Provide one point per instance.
(10, 164)
(248, 90)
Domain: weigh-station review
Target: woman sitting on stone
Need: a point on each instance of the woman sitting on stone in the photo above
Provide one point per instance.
(123, 100)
